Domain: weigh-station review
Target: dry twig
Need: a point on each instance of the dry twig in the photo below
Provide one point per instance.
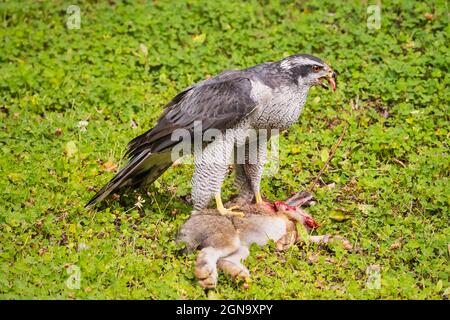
(312, 187)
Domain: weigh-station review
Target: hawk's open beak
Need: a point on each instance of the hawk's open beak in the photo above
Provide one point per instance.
(331, 78)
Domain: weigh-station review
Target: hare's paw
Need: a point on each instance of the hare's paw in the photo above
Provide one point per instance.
(286, 241)
(206, 274)
(236, 271)
(345, 243)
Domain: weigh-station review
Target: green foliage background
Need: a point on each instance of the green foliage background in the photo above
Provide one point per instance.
(391, 198)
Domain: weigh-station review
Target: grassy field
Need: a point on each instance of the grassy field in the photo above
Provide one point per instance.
(71, 98)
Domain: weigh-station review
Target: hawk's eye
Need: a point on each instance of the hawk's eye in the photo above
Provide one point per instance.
(316, 68)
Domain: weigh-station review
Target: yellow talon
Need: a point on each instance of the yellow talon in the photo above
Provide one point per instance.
(258, 197)
(224, 211)
(229, 212)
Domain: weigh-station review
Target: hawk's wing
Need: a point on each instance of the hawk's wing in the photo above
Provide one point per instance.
(219, 103)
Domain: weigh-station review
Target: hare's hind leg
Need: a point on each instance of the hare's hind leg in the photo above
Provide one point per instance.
(232, 264)
(206, 265)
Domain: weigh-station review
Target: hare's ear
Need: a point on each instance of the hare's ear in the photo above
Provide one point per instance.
(299, 199)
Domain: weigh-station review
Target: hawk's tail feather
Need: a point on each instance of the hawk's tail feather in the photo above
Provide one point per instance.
(143, 168)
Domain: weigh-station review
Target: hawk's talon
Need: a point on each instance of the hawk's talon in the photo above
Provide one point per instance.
(229, 211)
(224, 211)
(267, 205)
(258, 198)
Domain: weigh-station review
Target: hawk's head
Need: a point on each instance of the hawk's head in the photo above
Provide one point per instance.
(309, 70)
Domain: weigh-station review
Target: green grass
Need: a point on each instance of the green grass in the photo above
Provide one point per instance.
(391, 171)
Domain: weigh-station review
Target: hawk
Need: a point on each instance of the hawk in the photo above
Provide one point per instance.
(270, 95)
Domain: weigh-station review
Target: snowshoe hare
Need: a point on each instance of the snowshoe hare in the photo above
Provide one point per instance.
(224, 240)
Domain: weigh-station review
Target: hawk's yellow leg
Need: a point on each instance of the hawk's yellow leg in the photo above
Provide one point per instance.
(224, 211)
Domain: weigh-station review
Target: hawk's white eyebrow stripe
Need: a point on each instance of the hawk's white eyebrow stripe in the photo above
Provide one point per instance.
(288, 63)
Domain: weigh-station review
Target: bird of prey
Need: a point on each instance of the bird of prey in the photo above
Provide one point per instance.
(270, 95)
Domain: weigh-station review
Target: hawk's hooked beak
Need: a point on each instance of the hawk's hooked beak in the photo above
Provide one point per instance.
(331, 78)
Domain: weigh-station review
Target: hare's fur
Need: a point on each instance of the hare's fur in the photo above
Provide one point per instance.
(224, 241)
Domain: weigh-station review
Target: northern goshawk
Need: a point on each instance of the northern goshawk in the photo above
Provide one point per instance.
(267, 96)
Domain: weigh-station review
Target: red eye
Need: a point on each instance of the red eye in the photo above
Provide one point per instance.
(316, 68)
